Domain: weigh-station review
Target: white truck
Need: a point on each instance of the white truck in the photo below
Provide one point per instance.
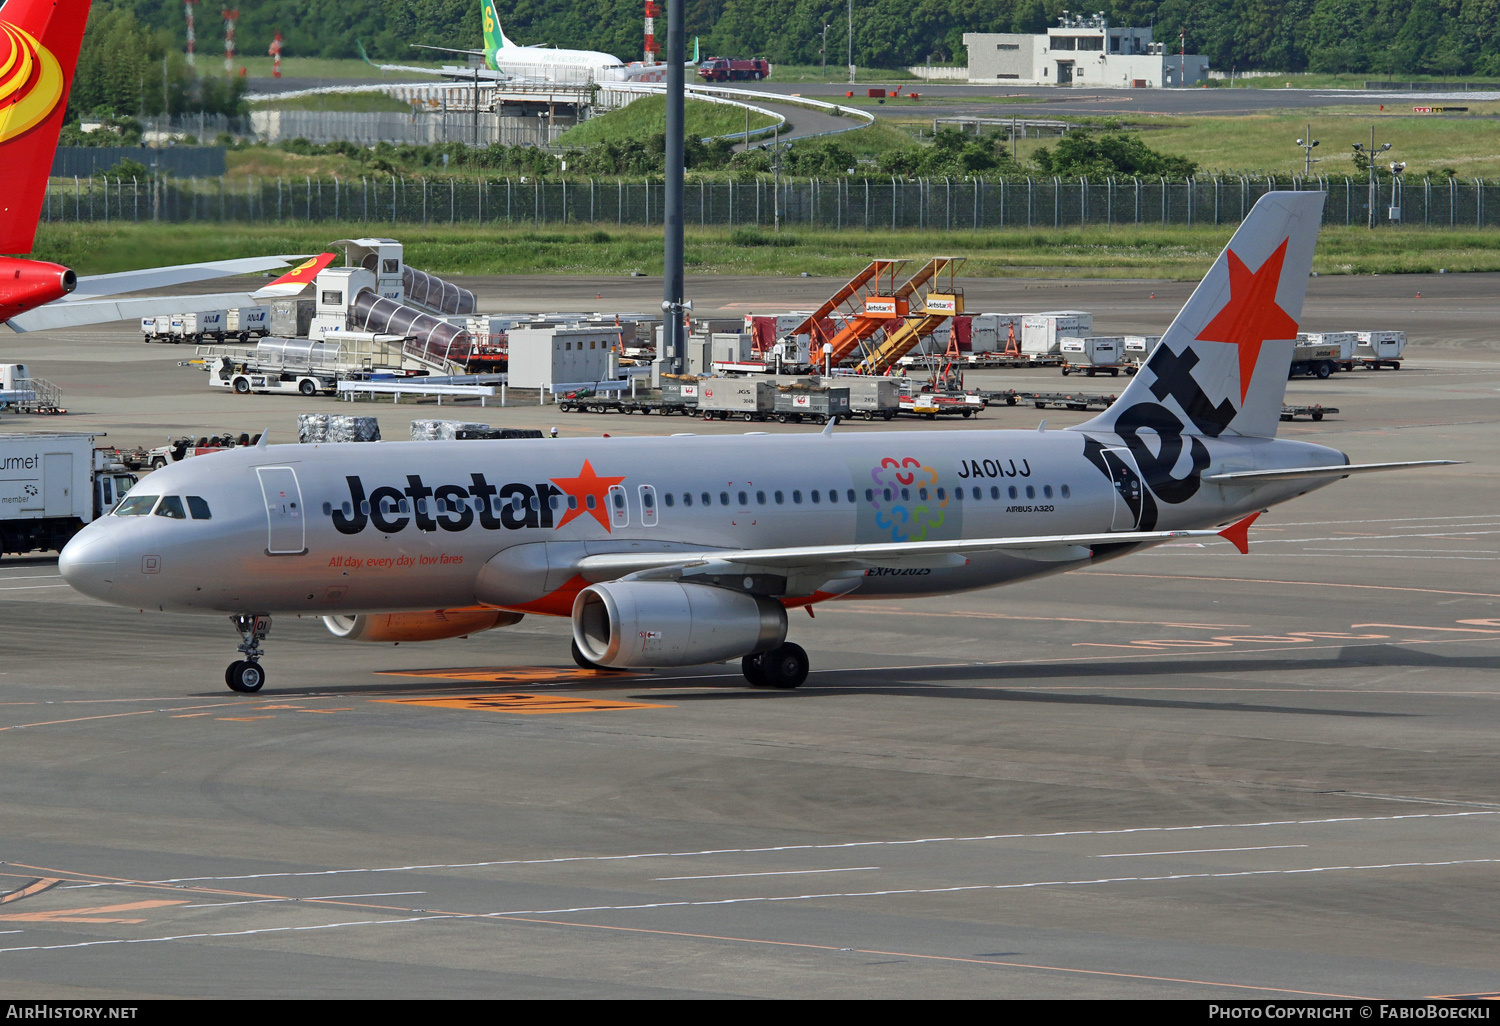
(53, 484)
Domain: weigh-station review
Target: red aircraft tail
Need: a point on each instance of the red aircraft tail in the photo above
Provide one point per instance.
(39, 42)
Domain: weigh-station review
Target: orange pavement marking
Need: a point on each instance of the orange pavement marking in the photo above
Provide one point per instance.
(35, 887)
(524, 704)
(509, 674)
(243, 719)
(86, 915)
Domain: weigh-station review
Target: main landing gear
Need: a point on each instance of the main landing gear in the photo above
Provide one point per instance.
(782, 667)
(245, 675)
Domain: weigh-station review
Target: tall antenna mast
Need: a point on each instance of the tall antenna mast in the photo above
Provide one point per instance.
(651, 12)
(230, 17)
(192, 42)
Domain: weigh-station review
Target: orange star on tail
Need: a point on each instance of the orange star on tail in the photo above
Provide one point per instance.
(1251, 317)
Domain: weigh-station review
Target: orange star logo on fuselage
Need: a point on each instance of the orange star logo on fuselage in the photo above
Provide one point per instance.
(587, 485)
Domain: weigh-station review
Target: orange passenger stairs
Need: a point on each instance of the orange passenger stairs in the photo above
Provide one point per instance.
(867, 303)
(936, 303)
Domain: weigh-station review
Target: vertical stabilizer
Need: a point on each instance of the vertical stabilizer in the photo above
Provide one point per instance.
(39, 41)
(494, 35)
(1223, 363)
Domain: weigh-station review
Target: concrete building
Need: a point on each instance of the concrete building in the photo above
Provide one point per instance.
(1081, 50)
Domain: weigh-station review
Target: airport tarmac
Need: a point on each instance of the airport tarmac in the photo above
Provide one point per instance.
(1186, 774)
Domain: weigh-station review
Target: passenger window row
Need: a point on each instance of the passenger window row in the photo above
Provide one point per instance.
(169, 506)
(832, 495)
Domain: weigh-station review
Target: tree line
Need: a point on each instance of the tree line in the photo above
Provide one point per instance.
(1377, 37)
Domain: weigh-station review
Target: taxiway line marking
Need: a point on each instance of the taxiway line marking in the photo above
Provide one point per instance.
(833, 846)
(1194, 851)
(1307, 584)
(779, 872)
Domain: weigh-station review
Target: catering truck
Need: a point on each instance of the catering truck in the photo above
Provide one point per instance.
(53, 484)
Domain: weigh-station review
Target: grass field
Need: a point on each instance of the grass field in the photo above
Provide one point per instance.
(1172, 253)
(648, 116)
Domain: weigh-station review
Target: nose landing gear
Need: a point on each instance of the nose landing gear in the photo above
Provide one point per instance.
(245, 675)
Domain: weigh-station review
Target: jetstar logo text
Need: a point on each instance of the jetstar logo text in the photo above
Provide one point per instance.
(459, 507)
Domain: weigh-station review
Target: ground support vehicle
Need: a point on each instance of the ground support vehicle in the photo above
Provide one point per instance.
(244, 380)
(1318, 360)
(1065, 400)
(625, 404)
(932, 405)
(872, 398)
(247, 322)
(795, 404)
(730, 69)
(182, 448)
(26, 394)
(52, 485)
(1314, 412)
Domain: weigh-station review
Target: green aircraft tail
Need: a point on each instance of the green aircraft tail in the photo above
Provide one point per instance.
(494, 35)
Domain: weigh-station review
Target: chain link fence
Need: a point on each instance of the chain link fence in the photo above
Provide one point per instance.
(869, 204)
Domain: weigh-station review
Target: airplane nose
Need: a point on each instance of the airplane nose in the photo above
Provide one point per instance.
(88, 564)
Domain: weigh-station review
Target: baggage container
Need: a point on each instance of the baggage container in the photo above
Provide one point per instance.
(1376, 349)
(873, 397)
(204, 324)
(247, 322)
(992, 332)
(291, 318)
(808, 402)
(679, 390)
(1041, 334)
(741, 398)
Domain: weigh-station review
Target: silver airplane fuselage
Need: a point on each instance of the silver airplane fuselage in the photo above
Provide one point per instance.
(326, 529)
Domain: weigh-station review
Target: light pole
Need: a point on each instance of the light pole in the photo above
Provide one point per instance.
(1373, 154)
(1307, 143)
(851, 42)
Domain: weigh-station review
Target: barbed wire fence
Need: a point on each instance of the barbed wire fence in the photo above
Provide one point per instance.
(868, 204)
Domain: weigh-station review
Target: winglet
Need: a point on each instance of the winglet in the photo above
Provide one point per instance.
(298, 278)
(1238, 533)
(832, 423)
(362, 55)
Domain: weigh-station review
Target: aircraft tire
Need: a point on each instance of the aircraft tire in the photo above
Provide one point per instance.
(244, 676)
(786, 666)
(754, 669)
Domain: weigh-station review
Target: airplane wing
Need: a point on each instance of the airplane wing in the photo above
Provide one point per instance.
(852, 560)
(1293, 473)
(95, 286)
(102, 311)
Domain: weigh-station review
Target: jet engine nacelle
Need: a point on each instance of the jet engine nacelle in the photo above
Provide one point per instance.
(667, 623)
(28, 284)
(433, 626)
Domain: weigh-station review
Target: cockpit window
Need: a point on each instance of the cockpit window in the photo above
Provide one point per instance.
(171, 507)
(199, 507)
(136, 505)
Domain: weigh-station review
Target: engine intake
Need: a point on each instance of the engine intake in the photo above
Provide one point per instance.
(667, 623)
(433, 626)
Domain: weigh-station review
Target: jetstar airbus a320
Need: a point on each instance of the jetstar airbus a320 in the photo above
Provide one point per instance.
(686, 550)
